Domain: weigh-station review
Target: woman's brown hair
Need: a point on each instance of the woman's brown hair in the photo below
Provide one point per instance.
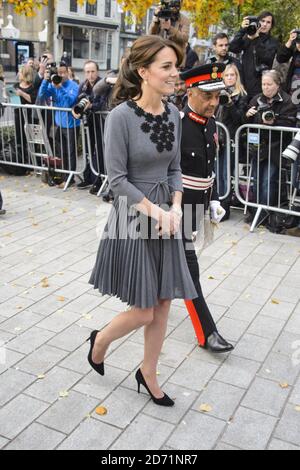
(142, 54)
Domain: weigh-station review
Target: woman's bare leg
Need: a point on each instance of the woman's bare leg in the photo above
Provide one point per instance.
(120, 326)
(155, 334)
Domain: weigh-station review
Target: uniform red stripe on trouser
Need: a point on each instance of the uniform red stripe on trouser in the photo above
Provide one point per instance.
(196, 322)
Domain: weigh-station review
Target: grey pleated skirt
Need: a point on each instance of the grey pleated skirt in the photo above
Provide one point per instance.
(140, 270)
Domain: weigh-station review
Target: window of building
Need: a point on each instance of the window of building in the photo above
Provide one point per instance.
(91, 9)
(73, 6)
(99, 44)
(81, 41)
(107, 9)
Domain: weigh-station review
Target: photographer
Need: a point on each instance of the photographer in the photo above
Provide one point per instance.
(221, 53)
(231, 112)
(88, 103)
(254, 40)
(291, 52)
(272, 107)
(64, 92)
(169, 23)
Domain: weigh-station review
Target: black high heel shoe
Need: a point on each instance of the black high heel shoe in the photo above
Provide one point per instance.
(164, 401)
(97, 367)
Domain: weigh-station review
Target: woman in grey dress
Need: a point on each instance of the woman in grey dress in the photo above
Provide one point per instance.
(141, 258)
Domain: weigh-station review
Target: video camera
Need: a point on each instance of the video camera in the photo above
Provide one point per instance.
(170, 10)
(53, 74)
(254, 25)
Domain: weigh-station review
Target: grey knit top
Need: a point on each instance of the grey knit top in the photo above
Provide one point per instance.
(142, 153)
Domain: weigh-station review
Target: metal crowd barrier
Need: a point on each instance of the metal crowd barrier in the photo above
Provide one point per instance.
(41, 138)
(269, 186)
(94, 135)
(223, 162)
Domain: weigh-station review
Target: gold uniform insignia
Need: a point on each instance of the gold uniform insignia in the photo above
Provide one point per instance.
(214, 74)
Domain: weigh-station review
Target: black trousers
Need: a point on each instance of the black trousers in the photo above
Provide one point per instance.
(199, 312)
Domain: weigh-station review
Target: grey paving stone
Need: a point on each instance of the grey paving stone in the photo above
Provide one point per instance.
(231, 329)
(77, 361)
(13, 382)
(287, 294)
(137, 435)
(222, 446)
(120, 413)
(128, 356)
(293, 326)
(223, 297)
(243, 311)
(175, 352)
(196, 432)
(21, 322)
(8, 358)
(84, 304)
(237, 371)
(100, 387)
(223, 398)
(289, 427)
(281, 311)
(185, 333)
(288, 344)
(249, 430)
(266, 327)
(71, 338)
(256, 295)
(59, 320)
(253, 347)
(266, 396)
(91, 435)
(14, 306)
(18, 414)
(183, 398)
(280, 368)
(29, 341)
(3, 442)
(193, 374)
(67, 413)
(56, 381)
(42, 360)
(276, 444)
(36, 437)
(275, 269)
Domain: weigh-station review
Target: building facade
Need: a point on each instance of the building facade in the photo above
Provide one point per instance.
(88, 32)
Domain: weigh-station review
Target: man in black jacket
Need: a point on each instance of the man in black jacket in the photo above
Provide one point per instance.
(221, 53)
(198, 152)
(93, 123)
(258, 51)
(291, 50)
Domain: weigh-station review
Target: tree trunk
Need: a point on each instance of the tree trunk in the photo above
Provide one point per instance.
(51, 23)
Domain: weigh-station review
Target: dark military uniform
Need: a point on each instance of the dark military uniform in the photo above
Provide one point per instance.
(198, 153)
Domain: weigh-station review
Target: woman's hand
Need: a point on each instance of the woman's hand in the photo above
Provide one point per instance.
(251, 112)
(168, 224)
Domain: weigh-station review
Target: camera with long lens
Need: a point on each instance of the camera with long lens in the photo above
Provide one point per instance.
(53, 74)
(79, 108)
(292, 151)
(253, 26)
(225, 96)
(170, 10)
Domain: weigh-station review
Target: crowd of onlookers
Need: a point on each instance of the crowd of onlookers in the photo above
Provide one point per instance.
(261, 74)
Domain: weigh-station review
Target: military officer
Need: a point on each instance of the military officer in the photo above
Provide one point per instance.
(198, 150)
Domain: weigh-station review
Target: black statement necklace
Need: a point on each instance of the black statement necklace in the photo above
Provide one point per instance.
(159, 127)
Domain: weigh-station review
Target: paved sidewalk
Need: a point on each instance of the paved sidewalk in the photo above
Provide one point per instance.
(48, 393)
